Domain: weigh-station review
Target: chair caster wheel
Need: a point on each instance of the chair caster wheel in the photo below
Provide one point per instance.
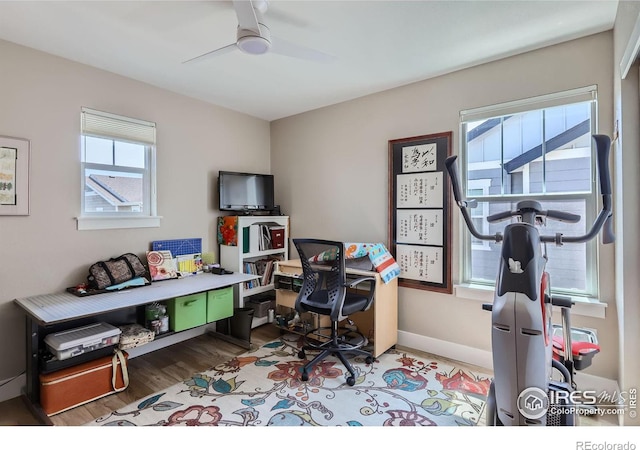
(369, 360)
(302, 354)
(304, 376)
(351, 381)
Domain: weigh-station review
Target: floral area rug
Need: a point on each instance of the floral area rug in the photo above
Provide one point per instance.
(263, 388)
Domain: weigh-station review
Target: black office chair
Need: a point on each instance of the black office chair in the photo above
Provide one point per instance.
(325, 291)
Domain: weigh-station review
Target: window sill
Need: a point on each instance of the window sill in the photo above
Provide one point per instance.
(109, 223)
(583, 306)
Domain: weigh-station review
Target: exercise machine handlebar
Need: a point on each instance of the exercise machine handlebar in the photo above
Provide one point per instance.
(463, 204)
(532, 208)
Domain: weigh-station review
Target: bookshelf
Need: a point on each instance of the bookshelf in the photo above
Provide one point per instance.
(255, 254)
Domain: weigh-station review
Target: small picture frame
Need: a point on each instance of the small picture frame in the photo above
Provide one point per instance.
(14, 176)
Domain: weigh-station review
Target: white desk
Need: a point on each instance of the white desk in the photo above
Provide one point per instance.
(44, 312)
(50, 309)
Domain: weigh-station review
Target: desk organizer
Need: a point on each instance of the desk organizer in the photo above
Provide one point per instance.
(76, 341)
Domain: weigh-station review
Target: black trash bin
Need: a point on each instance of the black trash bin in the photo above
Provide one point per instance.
(238, 325)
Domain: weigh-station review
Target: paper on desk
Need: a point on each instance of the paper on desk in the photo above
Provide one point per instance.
(138, 281)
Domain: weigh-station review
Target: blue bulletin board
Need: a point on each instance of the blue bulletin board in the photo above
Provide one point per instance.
(420, 211)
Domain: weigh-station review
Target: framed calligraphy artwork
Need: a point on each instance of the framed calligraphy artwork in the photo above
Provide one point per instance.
(420, 211)
(14, 176)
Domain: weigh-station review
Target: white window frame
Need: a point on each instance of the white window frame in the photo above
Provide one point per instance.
(124, 129)
(588, 93)
(481, 211)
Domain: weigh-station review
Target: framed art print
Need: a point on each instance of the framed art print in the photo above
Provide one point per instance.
(419, 211)
(14, 176)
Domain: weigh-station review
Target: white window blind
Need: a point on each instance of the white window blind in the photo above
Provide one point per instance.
(578, 95)
(103, 124)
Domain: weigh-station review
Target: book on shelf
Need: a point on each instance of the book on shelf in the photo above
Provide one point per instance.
(277, 236)
(245, 239)
(260, 237)
(264, 268)
(254, 238)
(265, 238)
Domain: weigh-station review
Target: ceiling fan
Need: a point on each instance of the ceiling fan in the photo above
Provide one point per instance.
(254, 37)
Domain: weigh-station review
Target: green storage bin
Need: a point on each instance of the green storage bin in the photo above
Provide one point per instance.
(219, 304)
(187, 312)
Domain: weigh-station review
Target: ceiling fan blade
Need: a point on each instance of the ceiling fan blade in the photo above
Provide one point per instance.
(247, 16)
(217, 52)
(281, 16)
(286, 48)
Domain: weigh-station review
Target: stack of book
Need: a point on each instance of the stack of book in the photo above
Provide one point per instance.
(262, 267)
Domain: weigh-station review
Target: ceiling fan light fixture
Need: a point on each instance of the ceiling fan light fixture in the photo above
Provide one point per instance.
(254, 45)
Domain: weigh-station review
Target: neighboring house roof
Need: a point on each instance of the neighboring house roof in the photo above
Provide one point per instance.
(484, 127)
(116, 190)
(554, 143)
(536, 152)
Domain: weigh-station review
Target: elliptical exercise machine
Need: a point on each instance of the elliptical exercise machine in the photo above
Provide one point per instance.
(525, 352)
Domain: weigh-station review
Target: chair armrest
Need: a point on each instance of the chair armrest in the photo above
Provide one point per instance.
(357, 281)
(372, 288)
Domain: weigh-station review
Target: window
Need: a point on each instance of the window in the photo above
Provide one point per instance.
(539, 149)
(479, 188)
(117, 171)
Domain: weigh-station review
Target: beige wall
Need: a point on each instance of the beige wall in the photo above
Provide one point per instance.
(40, 99)
(627, 162)
(331, 169)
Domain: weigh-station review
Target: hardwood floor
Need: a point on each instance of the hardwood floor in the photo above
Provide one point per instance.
(165, 367)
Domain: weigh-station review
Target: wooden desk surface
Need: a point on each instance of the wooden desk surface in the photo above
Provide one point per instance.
(297, 265)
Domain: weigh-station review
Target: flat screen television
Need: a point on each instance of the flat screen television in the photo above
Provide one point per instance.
(245, 192)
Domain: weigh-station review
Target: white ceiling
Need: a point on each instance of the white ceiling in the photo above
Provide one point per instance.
(377, 45)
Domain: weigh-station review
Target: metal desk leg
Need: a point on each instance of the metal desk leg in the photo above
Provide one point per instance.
(33, 383)
(33, 371)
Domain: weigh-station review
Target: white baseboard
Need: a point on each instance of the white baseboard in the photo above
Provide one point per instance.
(483, 358)
(13, 387)
(458, 352)
(586, 381)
